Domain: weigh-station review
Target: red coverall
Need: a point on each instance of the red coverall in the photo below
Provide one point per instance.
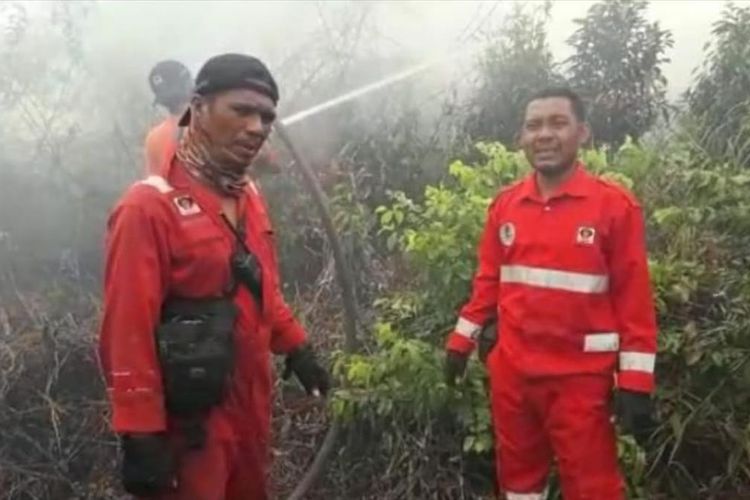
(568, 280)
(166, 238)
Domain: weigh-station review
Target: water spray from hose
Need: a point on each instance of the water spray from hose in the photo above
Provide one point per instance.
(370, 87)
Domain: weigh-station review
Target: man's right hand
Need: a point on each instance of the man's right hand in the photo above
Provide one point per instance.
(304, 363)
(455, 366)
(147, 465)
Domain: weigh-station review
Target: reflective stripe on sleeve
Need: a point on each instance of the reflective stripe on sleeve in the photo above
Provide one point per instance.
(601, 342)
(637, 361)
(467, 328)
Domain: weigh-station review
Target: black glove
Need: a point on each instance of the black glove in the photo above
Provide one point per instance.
(455, 366)
(304, 364)
(487, 340)
(147, 465)
(634, 414)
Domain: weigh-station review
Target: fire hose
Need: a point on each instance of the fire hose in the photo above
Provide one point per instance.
(348, 298)
(343, 272)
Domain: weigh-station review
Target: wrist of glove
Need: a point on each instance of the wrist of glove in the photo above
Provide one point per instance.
(634, 412)
(455, 366)
(147, 465)
(487, 340)
(304, 364)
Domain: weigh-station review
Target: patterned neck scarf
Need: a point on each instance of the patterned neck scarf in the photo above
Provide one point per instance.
(195, 153)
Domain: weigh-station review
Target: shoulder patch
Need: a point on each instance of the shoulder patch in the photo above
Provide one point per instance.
(507, 234)
(157, 182)
(186, 205)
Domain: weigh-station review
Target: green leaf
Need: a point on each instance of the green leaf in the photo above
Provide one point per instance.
(667, 215)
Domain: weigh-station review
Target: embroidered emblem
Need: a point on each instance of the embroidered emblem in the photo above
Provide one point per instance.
(586, 235)
(507, 234)
(186, 205)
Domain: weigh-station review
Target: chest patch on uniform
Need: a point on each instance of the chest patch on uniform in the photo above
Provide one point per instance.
(186, 205)
(507, 234)
(585, 235)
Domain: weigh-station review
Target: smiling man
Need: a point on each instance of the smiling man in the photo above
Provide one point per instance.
(562, 264)
(192, 306)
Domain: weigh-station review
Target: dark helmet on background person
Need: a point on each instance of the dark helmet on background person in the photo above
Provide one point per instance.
(172, 84)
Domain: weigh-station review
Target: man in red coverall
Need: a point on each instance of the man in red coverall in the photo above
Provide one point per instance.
(174, 237)
(562, 265)
(171, 83)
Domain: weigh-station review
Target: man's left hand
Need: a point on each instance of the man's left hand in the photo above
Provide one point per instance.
(304, 364)
(635, 415)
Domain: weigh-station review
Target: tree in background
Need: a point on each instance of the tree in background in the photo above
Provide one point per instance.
(516, 63)
(719, 98)
(50, 151)
(616, 67)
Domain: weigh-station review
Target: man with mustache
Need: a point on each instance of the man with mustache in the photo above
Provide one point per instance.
(172, 84)
(192, 306)
(562, 265)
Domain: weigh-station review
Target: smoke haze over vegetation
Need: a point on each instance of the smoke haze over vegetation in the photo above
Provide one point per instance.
(409, 171)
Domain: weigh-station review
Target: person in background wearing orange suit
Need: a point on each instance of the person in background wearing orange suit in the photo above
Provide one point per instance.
(563, 268)
(172, 84)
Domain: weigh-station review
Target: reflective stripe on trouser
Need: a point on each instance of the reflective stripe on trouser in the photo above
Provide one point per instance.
(526, 496)
(555, 279)
(564, 417)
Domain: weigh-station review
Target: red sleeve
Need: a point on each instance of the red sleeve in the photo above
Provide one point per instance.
(136, 272)
(287, 333)
(632, 301)
(482, 305)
